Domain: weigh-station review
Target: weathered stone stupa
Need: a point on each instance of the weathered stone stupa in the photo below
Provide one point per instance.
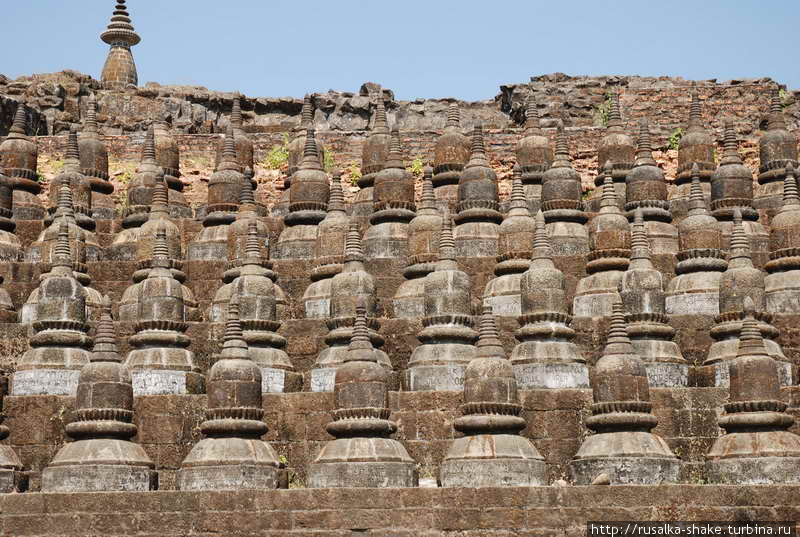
(243, 143)
(77, 214)
(94, 164)
(491, 453)
(394, 207)
(622, 447)
(618, 149)
(102, 457)
(515, 241)
(352, 286)
(643, 298)
(83, 248)
(309, 195)
(562, 205)
(739, 282)
(757, 447)
(10, 465)
(423, 248)
(363, 454)
(534, 155)
(777, 150)
(232, 455)
(695, 288)
(646, 189)
(696, 147)
(447, 337)
(59, 345)
(478, 218)
(239, 231)
(168, 157)
(546, 355)
(119, 71)
(224, 188)
(782, 289)
(140, 197)
(160, 361)
(731, 190)
(257, 298)
(331, 236)
(296, 150)
(19, 155)
(10, 247)
(610, 241)
(450, 154)
(158, 222)
(374, 153)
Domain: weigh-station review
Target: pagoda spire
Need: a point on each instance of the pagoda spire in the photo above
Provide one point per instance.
(119, 71)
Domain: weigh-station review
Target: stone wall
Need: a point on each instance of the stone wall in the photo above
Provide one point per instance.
(577, 101)
(488, 512)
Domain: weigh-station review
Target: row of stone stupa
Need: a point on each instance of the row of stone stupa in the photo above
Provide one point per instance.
(161, 306)
(756, 447)
(341, 275)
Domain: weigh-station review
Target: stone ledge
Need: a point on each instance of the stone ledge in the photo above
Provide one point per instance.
(381, 512)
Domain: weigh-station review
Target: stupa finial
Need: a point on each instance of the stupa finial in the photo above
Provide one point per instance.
(489, 345)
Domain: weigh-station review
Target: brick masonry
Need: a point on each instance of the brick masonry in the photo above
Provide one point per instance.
(487, 512)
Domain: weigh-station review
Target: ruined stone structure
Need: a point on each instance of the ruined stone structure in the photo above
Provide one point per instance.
(373, 158)
(739, 282)
(232, 456)
(352, 286)
(119, 72)
(19, 155)
(757, 447)
(329, 253)
(10, 247)
(701, 261)
(534, 155)
(139, 198)
(308, 203)
(623, 448)
(782, 291)
(394, 207)
(731, 190)
(446, 340)
(363, 454)
(618, 149)
(646, 189)
(366, 362)
(160, 361)
(777, 150)
(478, 217)
(642, 291)
(94, 165)
(610, 240)
(450, 155)
(296, 149)
(82, 245)
(224, 188)
(492, 453)
(168, 157)
(423, 249)
(78, 185)
(562, 204)
(60, 343)
(696, 148)
(514, 252)
(546, 355)
(102, 458)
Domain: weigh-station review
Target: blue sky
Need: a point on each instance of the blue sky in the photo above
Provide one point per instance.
(463, 49)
